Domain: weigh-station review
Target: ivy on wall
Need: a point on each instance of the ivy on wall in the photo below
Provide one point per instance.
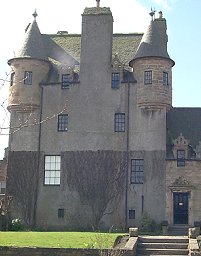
(98, 177)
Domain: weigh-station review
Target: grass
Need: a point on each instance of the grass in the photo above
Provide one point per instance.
(58, 239)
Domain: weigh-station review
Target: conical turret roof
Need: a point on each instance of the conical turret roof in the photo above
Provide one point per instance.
(33, 46)
(154, 40)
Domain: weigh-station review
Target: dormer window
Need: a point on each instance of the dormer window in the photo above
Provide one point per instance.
(28, 77)
(115, 80)
(180, 158)
(165, 78)
(148, 77)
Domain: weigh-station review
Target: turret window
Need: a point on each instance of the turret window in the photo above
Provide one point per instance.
(148, 77)
(28, 77)
(115, 80)
(165, 78)
(12, 76)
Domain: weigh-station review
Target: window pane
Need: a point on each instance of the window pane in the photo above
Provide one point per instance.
(52, 170)
(137, 171)
(63, 123)
(165, 78)
(148, 77)
(65, 81)
(119, 122)
(131, 214)
(28, 77)
(115, 80)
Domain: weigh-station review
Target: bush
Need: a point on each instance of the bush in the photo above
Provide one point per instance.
(17, 225)
(147, 224)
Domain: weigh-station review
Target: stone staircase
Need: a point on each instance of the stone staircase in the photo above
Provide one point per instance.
(162, 245)
(179, 230)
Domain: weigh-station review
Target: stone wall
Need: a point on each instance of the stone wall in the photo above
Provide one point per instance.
(13, 251)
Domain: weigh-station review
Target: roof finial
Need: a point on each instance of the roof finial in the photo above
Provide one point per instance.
(152, 13)
(35, 14)
(97, 3)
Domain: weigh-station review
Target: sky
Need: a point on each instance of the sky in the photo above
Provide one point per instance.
(130, 16)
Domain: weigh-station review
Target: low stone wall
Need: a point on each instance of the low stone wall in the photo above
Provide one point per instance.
(29, 251)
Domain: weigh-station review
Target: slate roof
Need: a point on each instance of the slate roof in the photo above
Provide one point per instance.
(186, 121)
(66, 48)
(33, 46)
(154, 41)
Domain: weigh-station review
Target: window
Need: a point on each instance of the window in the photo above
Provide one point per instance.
(137, 171)
(52, 170)
(180, 158)
(12, 76)
(165, 78)
(61, 213)
(131, 214)
(63, 123)
(2, 187)
(28, 77)
(115, 80)
(148, 77)
(119, 122)
(65, 81)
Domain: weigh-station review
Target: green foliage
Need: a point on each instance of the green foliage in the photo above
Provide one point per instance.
(17, 225)
(147, 224)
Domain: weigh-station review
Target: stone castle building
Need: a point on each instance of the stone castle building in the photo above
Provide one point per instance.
(94, 138)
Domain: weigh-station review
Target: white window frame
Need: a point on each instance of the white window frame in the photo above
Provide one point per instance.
(52, 170)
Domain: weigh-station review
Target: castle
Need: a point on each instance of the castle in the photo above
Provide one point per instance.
(94, 139)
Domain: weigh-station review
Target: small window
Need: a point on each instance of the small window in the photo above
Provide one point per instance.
(119, 122)
(148, 77)
(61, 213)
(2, 187)
(131, 214)
(63, 123)
(115, 80)
(165, 78)
(65, 81)
(137, 171)
(12, 76)
(28, 77)
(180, 158)
(52, 170)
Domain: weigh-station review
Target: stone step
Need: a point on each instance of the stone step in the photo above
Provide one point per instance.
(163, 245)
(150, 251)
(178, 230)
(163, 239)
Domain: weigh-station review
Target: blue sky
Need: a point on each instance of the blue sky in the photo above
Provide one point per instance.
(184, 33)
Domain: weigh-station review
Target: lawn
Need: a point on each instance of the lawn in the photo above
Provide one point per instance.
(58, 239)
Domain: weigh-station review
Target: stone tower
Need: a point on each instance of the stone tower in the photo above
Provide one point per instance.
(29, 68)
(153, 68)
